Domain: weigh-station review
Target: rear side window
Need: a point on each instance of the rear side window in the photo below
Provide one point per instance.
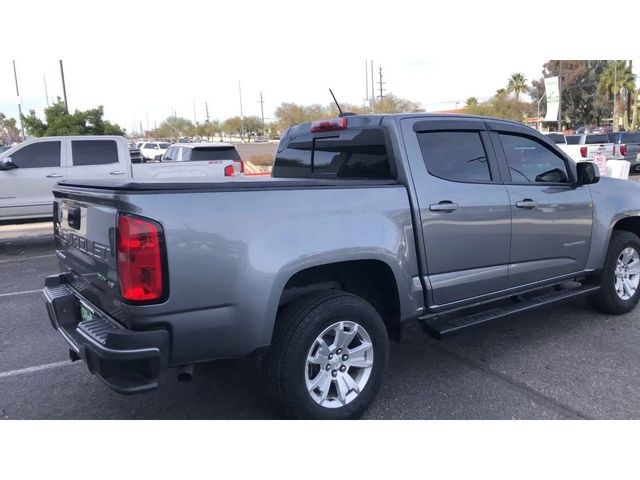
(213, 153)
(94, 152)
(456, 156)
(593, 139)
(355, 153)
(38, 155)
(556, 138)
(532, 162)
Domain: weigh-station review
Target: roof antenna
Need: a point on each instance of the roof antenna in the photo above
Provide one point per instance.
(342, 114)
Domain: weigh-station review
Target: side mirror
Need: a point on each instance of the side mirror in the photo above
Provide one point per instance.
(7, 164)
(588, 173)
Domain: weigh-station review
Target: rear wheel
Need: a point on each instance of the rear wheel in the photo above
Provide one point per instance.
(620, 276)
(328, 355)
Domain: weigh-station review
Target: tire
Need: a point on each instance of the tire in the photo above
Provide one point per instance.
(608, 300)
(296, 338)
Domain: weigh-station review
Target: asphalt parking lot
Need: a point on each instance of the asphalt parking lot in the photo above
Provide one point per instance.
(564, 361)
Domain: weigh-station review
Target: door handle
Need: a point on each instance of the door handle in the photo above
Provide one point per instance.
(443, 206)
(527, 203)
(116, 172)
(54, 175)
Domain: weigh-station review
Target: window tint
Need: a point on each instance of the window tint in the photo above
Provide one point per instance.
(593, 139)
(556, 137)
(164, 146)
(38, 155)
(630, 137)
(214, 153)
(532, 162)
(573, 139)
(356, 154)
(169, 155)
(348, 154)
(94, 152)
(457, 156)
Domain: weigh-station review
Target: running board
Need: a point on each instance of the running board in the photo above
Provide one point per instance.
(448, 324)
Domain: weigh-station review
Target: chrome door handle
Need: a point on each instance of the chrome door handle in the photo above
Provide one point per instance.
(444, 206)
(116, 172)
(54, 175)
(527, 203)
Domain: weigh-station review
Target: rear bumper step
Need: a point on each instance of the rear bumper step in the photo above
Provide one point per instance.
(445, 325)
(127, 361)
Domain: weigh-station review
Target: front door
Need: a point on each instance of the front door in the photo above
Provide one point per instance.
(26, 191)
(551, 217)
(464, 208)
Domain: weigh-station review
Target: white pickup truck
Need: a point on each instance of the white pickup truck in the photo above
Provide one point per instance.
(584, 146)
(29, 171)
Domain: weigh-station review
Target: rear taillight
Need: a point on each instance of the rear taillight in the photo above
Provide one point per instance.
(583, 152)
(240, 164)
(139, 259)
(623, 150)
(229, 171)
(329, 125)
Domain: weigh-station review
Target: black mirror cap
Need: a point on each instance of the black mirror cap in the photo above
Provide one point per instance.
(7, 164)
(588, 173)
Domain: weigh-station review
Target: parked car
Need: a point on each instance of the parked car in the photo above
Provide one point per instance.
(223, 155)
(28, 171)
(627, 147)
(153, 151)
(368, 222)
(583, 147)
(4, 148)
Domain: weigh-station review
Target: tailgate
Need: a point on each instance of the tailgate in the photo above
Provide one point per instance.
(605, 149)
(85, 237)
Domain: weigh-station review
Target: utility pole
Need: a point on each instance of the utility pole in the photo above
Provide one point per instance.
(64, 89)
(206, 109)
(15, 76)
(148, 124)
(195, 119)
(629, 116)
(560, 98)
(615, 104)
(241, 114)
(261, 102)
(366, 76)
(373, 95)
(46, 93)
(381, 83)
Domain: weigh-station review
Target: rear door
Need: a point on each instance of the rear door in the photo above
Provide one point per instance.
(464, 207)
(91, 158)
(551, 218)
(26, 191)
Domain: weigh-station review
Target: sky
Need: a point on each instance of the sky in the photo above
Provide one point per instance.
(143, 61)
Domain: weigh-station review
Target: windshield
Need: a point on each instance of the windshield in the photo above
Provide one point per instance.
(213, 153)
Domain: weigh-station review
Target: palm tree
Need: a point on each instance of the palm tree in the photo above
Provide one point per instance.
(517, 84)
(616, 76)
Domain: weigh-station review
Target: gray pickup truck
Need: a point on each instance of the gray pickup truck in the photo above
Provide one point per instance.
(368, 222)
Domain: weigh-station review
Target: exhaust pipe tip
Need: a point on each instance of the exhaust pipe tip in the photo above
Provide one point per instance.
(185, 373)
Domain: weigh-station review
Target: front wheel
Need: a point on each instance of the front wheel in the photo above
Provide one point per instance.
(329, 353)
(620, 276)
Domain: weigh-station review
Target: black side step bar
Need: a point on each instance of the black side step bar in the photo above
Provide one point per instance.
(444, 325)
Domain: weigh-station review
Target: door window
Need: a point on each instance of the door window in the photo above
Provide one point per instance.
(38, 155)
(456, 156)
(170, 156)
(532, 162)
(94, 152)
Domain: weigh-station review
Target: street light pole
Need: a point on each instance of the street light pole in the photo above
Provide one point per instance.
(538, 117)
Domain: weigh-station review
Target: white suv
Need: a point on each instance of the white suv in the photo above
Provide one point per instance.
(153, 151)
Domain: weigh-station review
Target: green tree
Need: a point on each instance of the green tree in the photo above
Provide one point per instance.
(616, 76)
(517, 84)
(8, 129)
(175, 127)
(252, 126)
(501, 106)
(58, 122)
(471, 102)
(392, 104)
(233, 126)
